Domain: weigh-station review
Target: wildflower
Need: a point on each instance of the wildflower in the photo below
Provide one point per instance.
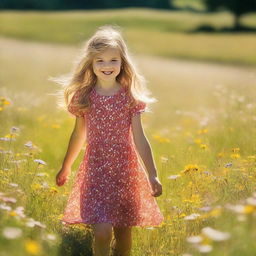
(35, 186)
(235, 156)
(14, 129)
(8, 199)
(221, 154)
(29, 144)
(55, 126)
(164, 159)
(20, 211)
(53, 189)
(228, 165)
(51, 236)
(202, 131)
(251, 201)
(194, 239)
(204, 248)
(5, 207)
(150, 228)
(236, 208)
(198, 141)
(31, 223)
(248, 209)
(214, 234)
(12, 232)
(45, 184)
(190, 167)
(4, 101)
(173, 177)
(32, 247)
(13, 184)
(192, 216)
(205, 208)
(7, 139)
(41, 174)
(39, 161)
(203, 146)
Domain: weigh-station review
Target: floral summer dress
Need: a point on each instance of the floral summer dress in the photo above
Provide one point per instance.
(111, 184)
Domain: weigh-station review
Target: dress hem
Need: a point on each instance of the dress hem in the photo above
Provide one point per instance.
(114, 224)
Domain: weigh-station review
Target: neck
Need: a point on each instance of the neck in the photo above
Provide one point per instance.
(106, 85)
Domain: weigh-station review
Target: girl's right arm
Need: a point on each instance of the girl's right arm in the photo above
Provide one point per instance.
(77, 139)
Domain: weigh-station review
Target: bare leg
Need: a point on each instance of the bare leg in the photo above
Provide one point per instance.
(102, 238)
(123, 241)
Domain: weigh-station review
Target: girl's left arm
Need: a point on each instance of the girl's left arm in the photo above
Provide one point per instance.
(144, 149)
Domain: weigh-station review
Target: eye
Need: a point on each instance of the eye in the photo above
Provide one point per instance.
(99, 61)
(114, 60)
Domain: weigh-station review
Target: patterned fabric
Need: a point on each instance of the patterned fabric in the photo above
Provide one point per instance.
(111, 184)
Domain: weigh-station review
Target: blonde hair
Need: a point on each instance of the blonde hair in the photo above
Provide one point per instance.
(82, 77)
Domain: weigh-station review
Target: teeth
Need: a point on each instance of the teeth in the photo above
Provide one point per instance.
(107, 72)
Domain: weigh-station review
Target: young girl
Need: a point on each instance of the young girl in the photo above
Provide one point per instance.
(111, 188)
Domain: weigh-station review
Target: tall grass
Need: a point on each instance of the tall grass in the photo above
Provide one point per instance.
(203, 144)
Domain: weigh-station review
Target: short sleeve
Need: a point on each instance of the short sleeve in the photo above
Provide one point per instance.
(138, 108)
(72, 108)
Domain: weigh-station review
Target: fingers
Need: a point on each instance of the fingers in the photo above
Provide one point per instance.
(157, 190)
(60, 181)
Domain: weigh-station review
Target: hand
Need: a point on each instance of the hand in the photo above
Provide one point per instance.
(62, 175)
(156, 186)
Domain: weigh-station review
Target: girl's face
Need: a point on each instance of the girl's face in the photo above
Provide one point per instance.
(107, 65)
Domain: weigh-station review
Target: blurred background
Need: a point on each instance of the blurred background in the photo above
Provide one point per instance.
(199, 58)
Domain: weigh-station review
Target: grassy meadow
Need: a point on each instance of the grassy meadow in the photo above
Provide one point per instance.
(174, 33)
(203, 141)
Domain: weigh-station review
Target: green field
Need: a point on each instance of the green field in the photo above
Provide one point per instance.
(166, 33)
(202, 129)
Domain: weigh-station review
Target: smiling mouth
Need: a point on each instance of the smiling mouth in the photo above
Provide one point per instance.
(107, 72)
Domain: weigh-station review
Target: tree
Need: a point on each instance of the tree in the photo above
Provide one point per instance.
(237, 7)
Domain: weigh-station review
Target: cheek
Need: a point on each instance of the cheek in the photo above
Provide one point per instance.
(117, 65)
(97, 66)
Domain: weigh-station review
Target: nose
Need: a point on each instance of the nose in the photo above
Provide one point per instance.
(107, 64)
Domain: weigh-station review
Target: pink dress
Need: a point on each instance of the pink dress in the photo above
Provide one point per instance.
(111, 184)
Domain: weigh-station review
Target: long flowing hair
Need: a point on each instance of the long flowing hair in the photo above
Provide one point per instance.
(82, 77)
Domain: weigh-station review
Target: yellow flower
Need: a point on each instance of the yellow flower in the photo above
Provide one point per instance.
(215, 212)
(235, 150)
(55, 126)
(202, 131)
(35, 186)
(161, 139)
(4, 101)
(32, 247)
(53, 189)
(221, 154)
(190, 167)
(198, 141)
(249, 209)
(13, 213)
(10, 135)
(203, 146)
(235, 156)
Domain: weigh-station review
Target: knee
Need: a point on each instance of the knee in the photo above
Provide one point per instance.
(103, 234)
